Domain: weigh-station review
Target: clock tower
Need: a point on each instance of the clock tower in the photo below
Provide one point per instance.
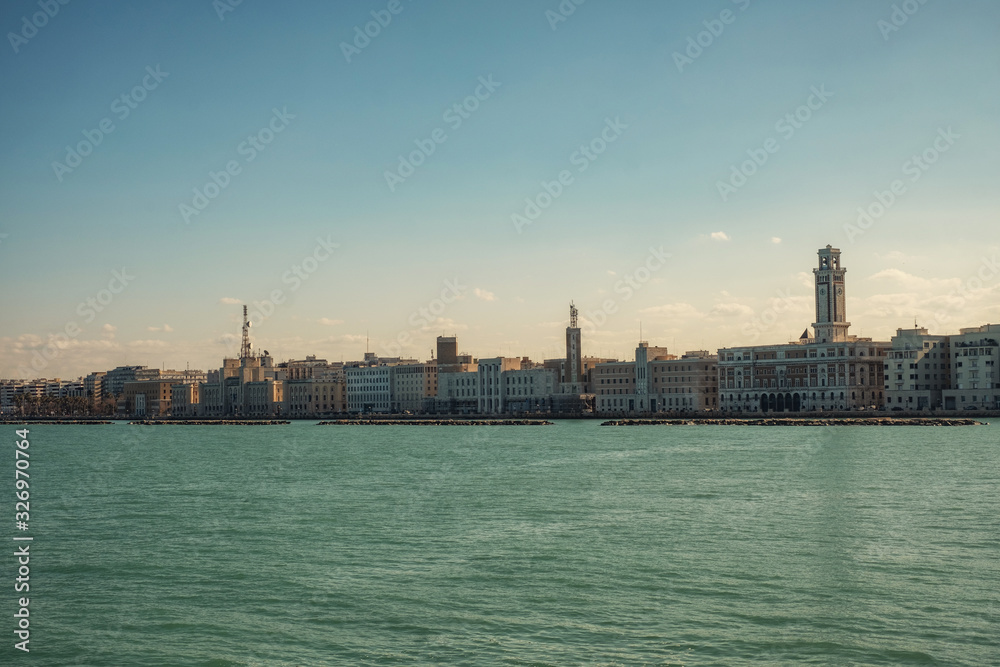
(831, 315)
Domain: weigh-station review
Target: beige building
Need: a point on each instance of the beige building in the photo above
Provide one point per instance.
(413, 385)
(146, 398)
(688, 383)
(614, 387)
(265, 398)
(314, 398)
(831, 371)
(185, 399)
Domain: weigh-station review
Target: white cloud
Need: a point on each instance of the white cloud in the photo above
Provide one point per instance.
(730, 309)
(775, 239)
(912, 282)
(484, 295)
(166, 328)
(719, 236)
(230, 301)
(328, 322)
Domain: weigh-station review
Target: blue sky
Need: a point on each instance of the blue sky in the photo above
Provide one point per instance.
(740, 254)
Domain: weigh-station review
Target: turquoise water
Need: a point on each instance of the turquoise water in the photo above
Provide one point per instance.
(568, 544)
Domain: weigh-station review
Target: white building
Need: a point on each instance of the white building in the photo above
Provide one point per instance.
(974, 373)
(917, 370)
(529, 389)
(369, 388)
(458, 392)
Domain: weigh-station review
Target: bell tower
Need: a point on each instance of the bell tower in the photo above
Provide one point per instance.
(831, 323)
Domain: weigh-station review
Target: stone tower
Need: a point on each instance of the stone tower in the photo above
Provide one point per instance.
(831, 323)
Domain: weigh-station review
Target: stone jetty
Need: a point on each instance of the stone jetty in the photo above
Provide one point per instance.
(74, 422)
(842, 421)
(211, 422)
(436, 422)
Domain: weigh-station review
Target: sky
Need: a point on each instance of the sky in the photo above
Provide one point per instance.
(371, 175)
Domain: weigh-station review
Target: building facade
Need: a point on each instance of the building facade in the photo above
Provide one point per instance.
(917, 370)
(831, 371)
(974, 373)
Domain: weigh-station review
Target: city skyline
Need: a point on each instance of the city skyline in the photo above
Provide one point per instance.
(243, 345)
(381, 189)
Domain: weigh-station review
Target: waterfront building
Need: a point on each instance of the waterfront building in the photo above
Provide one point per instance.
(832, 370)
(146, 398)
(458, 392)
(917, 370)
(264, 398)
(614, 387)
(93, 386)
(310, 368)
(490, 377)
(413, 385)
(655, 382)
(185, 399)
(369, 388)
(688, 383)
(530, 388)
(315, 397)
(975, 378)
(115, 379)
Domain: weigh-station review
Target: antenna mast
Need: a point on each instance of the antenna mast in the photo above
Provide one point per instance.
(572, 316)
(245, 347)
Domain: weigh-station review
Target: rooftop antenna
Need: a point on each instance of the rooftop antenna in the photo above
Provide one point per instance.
(245, 346)
(572, 315)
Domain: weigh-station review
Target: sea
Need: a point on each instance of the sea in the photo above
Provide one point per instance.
(569, 544)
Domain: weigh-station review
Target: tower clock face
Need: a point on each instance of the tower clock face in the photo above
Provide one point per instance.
(822, 291)
(840, 291)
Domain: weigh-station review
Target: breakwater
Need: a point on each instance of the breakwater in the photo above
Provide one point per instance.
(211, 422)
(436, 422)
(74, 422)
(847, 421)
